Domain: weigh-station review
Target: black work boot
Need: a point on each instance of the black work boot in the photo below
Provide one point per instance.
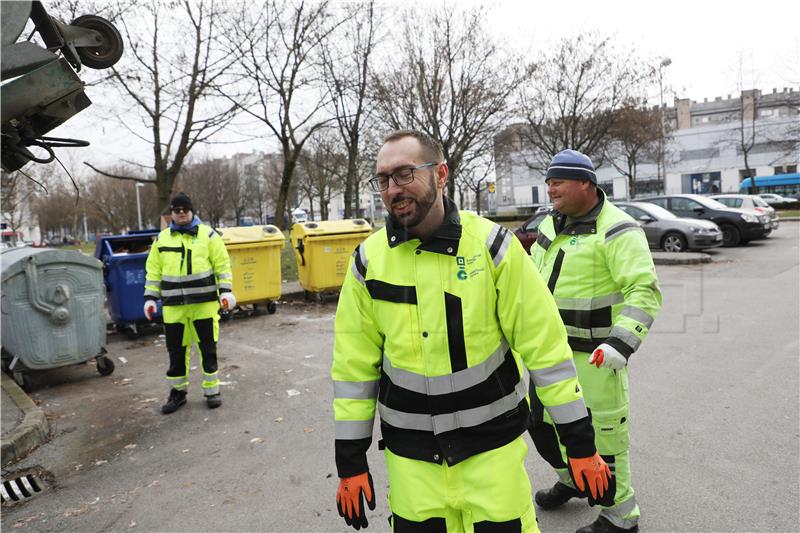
(174, 402)
(214, 401)
(556, 496)
(602, 525)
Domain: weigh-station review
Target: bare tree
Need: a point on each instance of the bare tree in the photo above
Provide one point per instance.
(573, 95)
(173, 79)
(748, 112)
(208, 184)
(453, 83)
(634, 136)
(348, 74)
(474, 179)
(107, 203)
(18, 192)
(279, 46)
(323, 170)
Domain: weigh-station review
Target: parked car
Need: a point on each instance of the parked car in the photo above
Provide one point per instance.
(299, 216)
(738, 225)
(749, 201)
(670, 233)
(776, 199)
(528, 232)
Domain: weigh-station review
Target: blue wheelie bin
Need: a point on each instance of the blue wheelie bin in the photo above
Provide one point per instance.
(124, 258)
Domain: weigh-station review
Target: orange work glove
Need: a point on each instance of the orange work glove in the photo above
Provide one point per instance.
(350, 499)
(591, 471)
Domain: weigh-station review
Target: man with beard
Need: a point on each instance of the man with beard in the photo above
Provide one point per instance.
(438, 313)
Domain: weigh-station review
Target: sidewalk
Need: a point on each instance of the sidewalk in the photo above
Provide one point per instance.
(24, 426)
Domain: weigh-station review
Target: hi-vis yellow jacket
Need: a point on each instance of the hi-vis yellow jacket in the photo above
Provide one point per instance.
(438, 335)
(600, 270)
(187, 266)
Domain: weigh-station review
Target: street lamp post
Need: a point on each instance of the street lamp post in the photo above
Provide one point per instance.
(139, 204)
(662, 171)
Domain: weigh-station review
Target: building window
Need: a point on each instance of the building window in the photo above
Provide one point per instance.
(703, 183)
(785, 169)
(646, 187)
(744, 174)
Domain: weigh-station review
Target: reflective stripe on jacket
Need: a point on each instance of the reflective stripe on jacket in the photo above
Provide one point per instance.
(187, 267)
(601, 273)
(436, 335)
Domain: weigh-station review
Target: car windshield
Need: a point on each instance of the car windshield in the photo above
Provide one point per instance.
(657, 211)
(709, 202)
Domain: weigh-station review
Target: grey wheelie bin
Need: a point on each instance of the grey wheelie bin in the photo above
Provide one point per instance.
(52, 307)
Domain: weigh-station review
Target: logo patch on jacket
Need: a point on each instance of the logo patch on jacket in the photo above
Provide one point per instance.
(462, 268)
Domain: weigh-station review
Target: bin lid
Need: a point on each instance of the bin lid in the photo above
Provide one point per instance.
(13, 260)
(130, 243)
(330, 227)
(245, 234)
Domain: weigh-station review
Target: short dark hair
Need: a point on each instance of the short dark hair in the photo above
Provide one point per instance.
(430, 146)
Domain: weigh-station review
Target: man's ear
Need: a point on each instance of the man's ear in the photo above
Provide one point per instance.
(442, 172)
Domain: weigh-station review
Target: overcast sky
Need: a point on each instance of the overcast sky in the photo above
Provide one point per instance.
(705, 41)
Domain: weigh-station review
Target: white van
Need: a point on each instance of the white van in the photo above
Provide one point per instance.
(299, 216)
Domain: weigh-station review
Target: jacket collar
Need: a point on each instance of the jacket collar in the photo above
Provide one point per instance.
(587, 224)
(444, 240)
(190, 228)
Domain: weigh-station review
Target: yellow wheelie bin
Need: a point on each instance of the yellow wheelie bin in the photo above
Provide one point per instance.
(255, 253)
(322, 250)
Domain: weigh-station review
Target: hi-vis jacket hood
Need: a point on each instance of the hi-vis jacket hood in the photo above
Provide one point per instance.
(438, 336)
(186, 267)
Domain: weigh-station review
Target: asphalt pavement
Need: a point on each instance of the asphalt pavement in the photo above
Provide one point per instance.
(715, 421)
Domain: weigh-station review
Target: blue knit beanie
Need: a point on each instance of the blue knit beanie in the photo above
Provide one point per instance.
(571, 165)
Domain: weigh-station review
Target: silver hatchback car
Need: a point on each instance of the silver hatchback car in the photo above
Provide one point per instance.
(670, 233)
(751, 202)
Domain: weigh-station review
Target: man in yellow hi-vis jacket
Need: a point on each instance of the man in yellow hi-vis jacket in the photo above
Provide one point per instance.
(440, 316)
(188, 268)
(598, 266)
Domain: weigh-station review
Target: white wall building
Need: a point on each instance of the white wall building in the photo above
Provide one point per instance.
(704, 154)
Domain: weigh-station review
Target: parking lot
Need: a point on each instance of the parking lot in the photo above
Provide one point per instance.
(714, 420)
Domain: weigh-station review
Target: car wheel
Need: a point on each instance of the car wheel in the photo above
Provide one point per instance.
(674, 242)
(730, 235)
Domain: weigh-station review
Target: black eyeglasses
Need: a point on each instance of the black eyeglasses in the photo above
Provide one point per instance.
(401, 176)
(180, 210)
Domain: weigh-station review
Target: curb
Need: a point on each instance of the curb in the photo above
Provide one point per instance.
(664, 258)
(32, 431)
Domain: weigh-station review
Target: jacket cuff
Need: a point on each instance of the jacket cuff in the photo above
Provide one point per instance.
(351, 456)
(148, 297)
(620, 346)
(224, 290)
(578, 437)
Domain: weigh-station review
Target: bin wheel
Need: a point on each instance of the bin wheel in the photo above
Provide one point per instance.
(105, 366)
(6, 364)
(23, 380)
(272, 307)
(132, 333)
(108, 51)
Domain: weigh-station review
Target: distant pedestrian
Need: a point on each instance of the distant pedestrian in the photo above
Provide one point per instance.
(188, 268)
(597, 264)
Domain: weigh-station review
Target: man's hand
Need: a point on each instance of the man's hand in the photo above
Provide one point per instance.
(150, 309)
(591, 471)
(607, 357)
(227, 300)
(350, 499)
